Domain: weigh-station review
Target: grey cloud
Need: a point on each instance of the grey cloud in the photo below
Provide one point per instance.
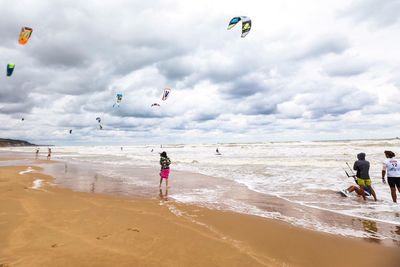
(13, 108)
(379, 12)
(338, 101)
(323, 46)
(345, 69)
(245, 86)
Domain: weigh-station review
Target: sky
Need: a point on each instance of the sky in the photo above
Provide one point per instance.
(308, 70)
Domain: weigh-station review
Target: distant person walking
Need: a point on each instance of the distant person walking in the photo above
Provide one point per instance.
(391, 167)
(37, 153)
(164, 172)
(49, 154)
(363, 179)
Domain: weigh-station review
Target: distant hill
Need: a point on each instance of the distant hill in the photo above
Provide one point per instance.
(12, 142)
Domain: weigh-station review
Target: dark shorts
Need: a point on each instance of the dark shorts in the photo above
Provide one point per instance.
(394, 181)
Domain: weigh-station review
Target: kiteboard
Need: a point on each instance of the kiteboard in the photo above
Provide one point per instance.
(346, 193)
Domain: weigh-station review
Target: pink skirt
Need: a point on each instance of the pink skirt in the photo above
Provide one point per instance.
(164, 173)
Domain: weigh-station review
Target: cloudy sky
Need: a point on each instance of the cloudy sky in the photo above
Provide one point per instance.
(308, 70)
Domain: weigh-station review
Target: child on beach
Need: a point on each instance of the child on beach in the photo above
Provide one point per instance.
(164, 172)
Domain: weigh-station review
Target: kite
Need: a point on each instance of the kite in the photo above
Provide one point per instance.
(98, 119)
(246, 24)
(155, 104)
(70, 131)
(119, 99)
(10, 69)
(24, 36)
(22, 119)
(166, 94)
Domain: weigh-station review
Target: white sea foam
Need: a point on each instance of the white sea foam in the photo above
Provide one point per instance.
(37, 183)
(29, 169)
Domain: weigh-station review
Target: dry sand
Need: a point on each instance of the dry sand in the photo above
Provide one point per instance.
(50, 226)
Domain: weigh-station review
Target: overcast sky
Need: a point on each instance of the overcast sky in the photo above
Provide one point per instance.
(308, 70)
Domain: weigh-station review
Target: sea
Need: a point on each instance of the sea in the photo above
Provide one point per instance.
(294, 182)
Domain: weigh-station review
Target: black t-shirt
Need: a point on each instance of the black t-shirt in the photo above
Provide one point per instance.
(362, 168)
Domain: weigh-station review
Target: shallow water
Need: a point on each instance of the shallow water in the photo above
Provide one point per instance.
(297, 182)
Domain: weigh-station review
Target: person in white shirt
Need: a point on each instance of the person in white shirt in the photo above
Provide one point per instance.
(392, 167)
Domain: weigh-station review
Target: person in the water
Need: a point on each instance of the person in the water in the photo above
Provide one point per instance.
(164, 172)
(363, 178)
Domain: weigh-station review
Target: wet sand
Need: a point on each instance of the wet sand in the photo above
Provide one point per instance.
(52, 226)
(142, 182)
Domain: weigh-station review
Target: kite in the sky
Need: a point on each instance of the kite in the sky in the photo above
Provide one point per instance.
(166, 94)
(98, 119)
(119, 99)
(22, 119)
(10, 69)
(70, 131)
(155, 104)
(246, 24)
(24, 35)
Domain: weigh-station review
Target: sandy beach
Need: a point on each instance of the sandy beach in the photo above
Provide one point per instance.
(44, 225)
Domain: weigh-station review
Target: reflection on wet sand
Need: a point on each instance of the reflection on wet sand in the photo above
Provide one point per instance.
(93, 184)
(163, 197)
(372, 228)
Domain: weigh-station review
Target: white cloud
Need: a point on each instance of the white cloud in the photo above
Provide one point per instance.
(306, 70)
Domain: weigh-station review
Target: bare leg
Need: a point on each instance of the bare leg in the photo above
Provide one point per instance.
(372, 192)
(351, 188)
(358, 190)
(160, 181)
(362, 192)
(166, 184)
(393, 192)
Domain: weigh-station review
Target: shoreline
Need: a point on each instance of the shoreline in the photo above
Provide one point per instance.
(140, 182)
(41, 228)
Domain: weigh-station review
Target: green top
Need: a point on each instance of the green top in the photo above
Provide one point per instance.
(165, 162)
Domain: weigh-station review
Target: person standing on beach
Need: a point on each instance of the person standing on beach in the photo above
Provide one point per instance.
(391, 166)
(49, 154)
(363, 179)
(37, 153)
(164, 172)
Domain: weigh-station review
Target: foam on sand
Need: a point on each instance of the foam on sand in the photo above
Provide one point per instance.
(37, 183)
(29, 169)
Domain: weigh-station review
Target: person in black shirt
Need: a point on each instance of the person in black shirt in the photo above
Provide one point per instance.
(363, 179)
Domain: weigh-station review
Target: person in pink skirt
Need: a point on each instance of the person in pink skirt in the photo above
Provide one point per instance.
(164, 172)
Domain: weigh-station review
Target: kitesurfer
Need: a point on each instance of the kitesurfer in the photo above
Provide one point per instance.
(363, 178)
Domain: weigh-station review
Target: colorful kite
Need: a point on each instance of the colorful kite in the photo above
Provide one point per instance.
(166, 94)
(246, 24)
(10, 69)
(24, 36)
(119, 99)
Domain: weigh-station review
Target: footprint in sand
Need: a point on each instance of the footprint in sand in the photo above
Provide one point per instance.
(55, 246)
(102, 237)
(133, 229)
